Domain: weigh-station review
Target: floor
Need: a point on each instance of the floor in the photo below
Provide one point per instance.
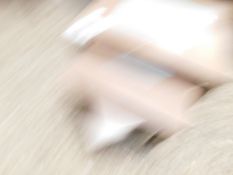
(40, 130)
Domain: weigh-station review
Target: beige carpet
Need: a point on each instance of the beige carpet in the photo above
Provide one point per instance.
(40, 133)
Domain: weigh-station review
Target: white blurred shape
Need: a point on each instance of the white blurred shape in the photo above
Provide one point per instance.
(110, 124)
(174, 26)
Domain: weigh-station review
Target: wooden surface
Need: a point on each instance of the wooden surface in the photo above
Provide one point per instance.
(40, 132)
